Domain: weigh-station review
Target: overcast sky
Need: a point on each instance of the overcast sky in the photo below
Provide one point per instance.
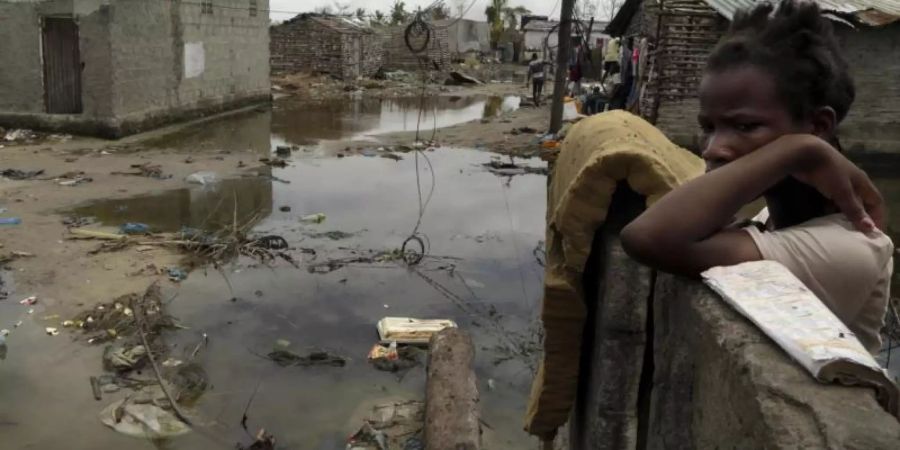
(285, 9)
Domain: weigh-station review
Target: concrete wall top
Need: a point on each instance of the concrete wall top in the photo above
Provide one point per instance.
(667, 364)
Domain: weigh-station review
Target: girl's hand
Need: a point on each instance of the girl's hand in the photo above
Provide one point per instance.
(839, 180)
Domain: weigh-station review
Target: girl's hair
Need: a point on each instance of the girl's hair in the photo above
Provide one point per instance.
(797, 46)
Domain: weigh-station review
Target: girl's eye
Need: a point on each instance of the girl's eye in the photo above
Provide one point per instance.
(746, 127)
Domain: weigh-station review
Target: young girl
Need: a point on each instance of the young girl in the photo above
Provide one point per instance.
(774, 91)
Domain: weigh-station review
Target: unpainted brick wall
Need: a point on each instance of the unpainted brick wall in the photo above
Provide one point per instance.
(306, 46)
(398, 57)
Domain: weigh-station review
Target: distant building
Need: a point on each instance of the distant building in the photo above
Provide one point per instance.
(541, 34)
(681, 35)
(116, 67)
(464, 36)
(341, 47)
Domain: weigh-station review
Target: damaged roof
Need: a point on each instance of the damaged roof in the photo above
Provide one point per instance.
(337, 23)
(869, 12)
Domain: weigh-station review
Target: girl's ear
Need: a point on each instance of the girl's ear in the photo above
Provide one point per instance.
(824, 122)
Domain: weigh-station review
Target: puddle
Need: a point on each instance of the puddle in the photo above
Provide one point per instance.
(296, 123)
(293, 122)
(210, 207)
(486, 226)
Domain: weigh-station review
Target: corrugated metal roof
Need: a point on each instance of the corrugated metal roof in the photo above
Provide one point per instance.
(337, 23)
(869, 12)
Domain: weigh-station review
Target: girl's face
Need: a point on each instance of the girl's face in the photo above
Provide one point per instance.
(740, 111)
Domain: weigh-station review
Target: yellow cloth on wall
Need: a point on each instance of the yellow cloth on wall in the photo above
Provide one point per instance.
(598, 152)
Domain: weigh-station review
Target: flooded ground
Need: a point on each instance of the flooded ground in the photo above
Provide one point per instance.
(484, 235)
(483, 232)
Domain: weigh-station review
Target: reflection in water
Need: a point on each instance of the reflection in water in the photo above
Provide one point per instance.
(209, 207)
(249, 130)
(298, 123)
(488, 225)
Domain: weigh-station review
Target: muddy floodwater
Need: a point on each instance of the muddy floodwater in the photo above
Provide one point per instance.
(483, 234)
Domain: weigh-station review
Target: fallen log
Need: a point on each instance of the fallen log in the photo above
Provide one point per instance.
(451, 404)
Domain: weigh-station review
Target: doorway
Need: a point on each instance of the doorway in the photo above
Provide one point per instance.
(62, 66)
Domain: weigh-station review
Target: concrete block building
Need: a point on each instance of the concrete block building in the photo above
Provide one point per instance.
(117, 67)
(324, 44)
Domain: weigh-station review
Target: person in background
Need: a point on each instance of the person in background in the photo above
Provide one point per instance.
(537, 74)
(772, 96)
(610, 59)
(595, 102)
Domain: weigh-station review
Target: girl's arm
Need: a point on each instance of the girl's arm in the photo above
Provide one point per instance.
(684, 231)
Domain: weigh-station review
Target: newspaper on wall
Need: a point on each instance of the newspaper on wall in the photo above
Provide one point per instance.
(779, 304)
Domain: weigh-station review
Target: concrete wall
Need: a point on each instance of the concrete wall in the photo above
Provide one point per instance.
(873, 54)
(468, 35)
(668, 365)
(21, 72)
(151, 45)
(134, 73)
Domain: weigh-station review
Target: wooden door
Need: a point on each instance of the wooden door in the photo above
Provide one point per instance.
(62, 66)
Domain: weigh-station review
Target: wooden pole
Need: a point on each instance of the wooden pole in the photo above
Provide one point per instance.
(562, 62)
(451, 393)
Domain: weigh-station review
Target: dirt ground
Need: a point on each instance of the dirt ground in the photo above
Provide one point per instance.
(62, 272)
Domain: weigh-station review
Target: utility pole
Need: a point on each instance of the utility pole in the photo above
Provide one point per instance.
(564, 50)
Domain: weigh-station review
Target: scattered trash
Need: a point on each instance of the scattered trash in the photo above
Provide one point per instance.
(392, 156)
(474, 284)
(52, 331)
(142, 418)
(368, 152)
(76, 181)
(393, 358)
(3, 348)
(134, 228)
(29, 301)
(274, 162)
(94, 234)
(272, 242)
(202, 178)
(10, 221)
(523, 130)
(313, 218)
(285, 209)
(491, 384)
(76, 222)
(395, 425)
(145, 170)
(285, 358)
(498, 167)
(172, 362)
(124, 358)
(15, 174)
(283, 150)
(334, 235)
(457, 78)
(263, 441)
(177, 274)
(405, 330)
(19, 135)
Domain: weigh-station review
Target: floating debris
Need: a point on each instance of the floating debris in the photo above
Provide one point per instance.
(508, 169)
(15, 174)
(313, 218)
(285, 358)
